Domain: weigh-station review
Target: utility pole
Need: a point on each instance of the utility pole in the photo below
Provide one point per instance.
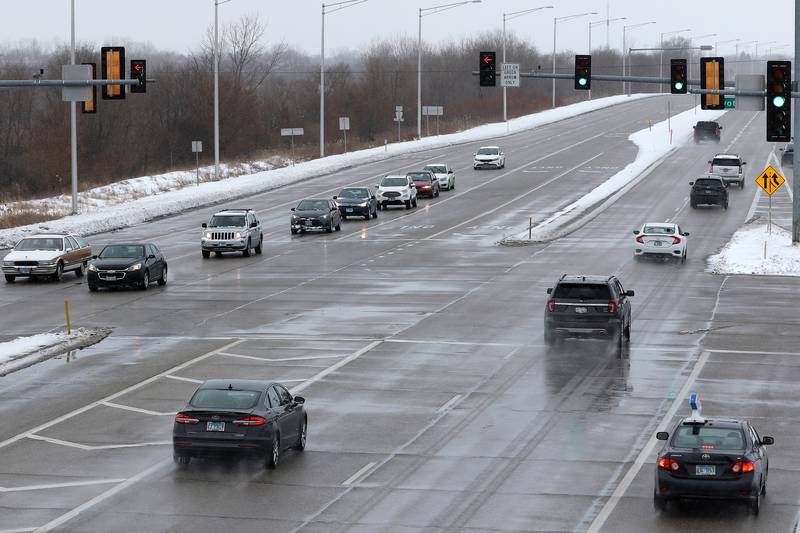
(796, 119)
(73, 119)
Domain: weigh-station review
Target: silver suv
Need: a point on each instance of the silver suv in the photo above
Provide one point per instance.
(232, 230)
(729, 167)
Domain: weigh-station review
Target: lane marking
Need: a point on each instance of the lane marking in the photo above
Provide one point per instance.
(181, 378)
(363, 470)
(452, 401)
(60, 486)
(751, 352)
(20, 530)
(333, 368)
(138, 409)
(89, 447)
(282, 359)
(455, 343)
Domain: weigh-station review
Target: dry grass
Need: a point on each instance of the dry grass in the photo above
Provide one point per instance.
(22, 217)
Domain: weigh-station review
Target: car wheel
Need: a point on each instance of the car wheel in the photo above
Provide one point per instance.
(274, 454)
(206, 254)
(339, 226)
(415, 202)
(453, 186)
(436, 193)
(163, 279)
(755, 505)
(329, 229)
(375, 214)
(683, 257)
(59, 271)
(93, 288)
(628, 333)
(80, 270)
(725, 206)
(294, 231)
(741, 184)
(301, 438)
(10, 278)
(659, 504)
(246, 251)
(145, 281)
(182, 460)
(693, 205)
(408, 204)
(549, 337)
(260, 247)
(344, 217)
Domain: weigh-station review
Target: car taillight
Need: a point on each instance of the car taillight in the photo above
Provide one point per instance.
(665, 463)
(640, 239)
(612, 307)
(676, 240)
(183, 418)
(551, 305)
(250, 421)
(742, 467)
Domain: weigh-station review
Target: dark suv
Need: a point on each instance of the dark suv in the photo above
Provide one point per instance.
(707, 129)
(588, 306)
(709, 190)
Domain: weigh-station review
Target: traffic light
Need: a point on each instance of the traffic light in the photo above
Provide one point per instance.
(779, 101)
(113, 67)
(677, 76)
(487, 69)
(712, 76)
(139, 72)
(90, 106)
(583, 72)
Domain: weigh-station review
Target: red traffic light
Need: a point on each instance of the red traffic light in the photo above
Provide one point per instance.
(488, 59)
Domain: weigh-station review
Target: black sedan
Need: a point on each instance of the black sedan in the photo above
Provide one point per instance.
(127, 265)
(719, 459)
(240, 417)
(316, 213)
(357, 201)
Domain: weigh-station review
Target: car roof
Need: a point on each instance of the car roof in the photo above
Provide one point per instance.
(707, 122)
(489, 147)
(315, 200)
(48, 236)
(731, 156)
(128, 243)
(401, 176)
(579, 278)
(233, 212)
(665, 224)
(725, 423)
(709, 177)
(241, 384)
(436, 164)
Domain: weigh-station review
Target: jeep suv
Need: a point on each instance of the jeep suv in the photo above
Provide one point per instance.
(588, 306)
(729, 167)
(709, 190)
(232, 230)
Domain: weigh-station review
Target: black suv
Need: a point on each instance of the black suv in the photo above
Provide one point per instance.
(588, 306)
(707, 129)
(709, 190)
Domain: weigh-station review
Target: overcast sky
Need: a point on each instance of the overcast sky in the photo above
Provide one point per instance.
(178, 24)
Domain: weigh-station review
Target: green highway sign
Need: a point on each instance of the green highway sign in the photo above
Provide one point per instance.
(730, 102)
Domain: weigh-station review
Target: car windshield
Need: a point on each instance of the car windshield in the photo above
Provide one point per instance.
(394, 182)
(39, 243)
(659, 230)
(437, 169)
(313, 205)
(122, 251)
(708, 183)
(725, 162)
(582, 291)
(420, 176)
(708, 438)
(354, 193)
(225, 399)
(221, 221)
(488, 151)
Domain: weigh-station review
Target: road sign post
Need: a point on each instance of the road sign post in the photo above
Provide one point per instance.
(344, 125)
(398, 117)
(769, 181)
(197, 147)
(291, 132)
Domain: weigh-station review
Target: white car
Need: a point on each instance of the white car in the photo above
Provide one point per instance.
(396, 190)
(49, 255)
(443, 173)
(660, 239)
(489, 157)
(729, 167)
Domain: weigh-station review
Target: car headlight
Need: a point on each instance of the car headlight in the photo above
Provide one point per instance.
(324, 217)
(208, 235)
(295, 218)
(362, 204)
(8, 263)
(238, 235)
(92, 268)
(134, 268)
(47, 263)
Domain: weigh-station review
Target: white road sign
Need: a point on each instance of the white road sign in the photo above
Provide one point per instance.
(197, 146)
(509, 75)
(433, 110)
(344, 123)
(291, 132)
(398, 116)
(398, 108)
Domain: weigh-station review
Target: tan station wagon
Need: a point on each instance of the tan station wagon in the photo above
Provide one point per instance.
(49, 255)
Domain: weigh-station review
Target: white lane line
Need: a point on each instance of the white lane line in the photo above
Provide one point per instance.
(515, 199)
(363, 470)
(282, 359)
(138, 409)
(333, 368)
(647, 451)
(454, 343)
(89, 447)
(452, 401)
(20, 530)
(116, 395)
(101, 497)
(181, 378)
(751, 352)
(61, 486)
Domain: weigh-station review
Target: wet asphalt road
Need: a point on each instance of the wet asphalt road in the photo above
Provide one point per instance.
(417, 341)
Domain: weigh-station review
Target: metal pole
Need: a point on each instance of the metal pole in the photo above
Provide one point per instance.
(554, 61)
(629, 71)
(590, 48)
(322, 88)
(419, 82)
(197, 166)
(505, 97)
(661, 63)
(73, 119)
(796, 119)
(623, 58)
(345, 141)
(216, 90)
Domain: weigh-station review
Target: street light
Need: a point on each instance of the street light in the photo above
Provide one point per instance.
(217, 3)
(556, 20)
(717, 43)
(424, 12)
(506, 17)
(607, 22)
(624, 33)
(338, 6)
(661, 55)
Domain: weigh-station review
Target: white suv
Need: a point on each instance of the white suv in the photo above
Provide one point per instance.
(397, 190)
(729, 167)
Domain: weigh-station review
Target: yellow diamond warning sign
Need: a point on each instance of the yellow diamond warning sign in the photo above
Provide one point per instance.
(770, 180)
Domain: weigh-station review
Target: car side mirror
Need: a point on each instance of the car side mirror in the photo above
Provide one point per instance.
(720, 127)
(709, 161)
(299, 399)
(203, 225)
(662, 435)
(474, 154)
(685, 234)
(549, 290)
(767, 441)
(373, 197)
(151, 256)
(335, 197)
(744, 162)
(93, 257)
(630, 293)
(450, 172)
(691, 183)
(253, 224)
(292, 209)
(636, 232)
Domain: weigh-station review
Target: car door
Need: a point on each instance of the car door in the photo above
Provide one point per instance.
(157, 264)
(336, 215)
(258, 230)
(412, 187)
(281, 416)
(71, 252)
(292, 419)
(624, 304)
(758, 449)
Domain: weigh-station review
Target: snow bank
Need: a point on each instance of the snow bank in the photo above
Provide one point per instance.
(653, 143)
(105, 217)
(23, 352)
(26, 345)
(744, 253)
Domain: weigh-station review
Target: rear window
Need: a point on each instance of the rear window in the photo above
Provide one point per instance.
(438, 169)
(225, 399)
(659, 230)
(707, 125)
(582, 291)
(419, 176)
(708, 438)
(725, 162)
(708, 183)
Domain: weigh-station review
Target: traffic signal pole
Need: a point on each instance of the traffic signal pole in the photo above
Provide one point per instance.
(796, 119)
(73, 119)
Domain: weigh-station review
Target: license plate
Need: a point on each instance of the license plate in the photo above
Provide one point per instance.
(348, 210)
(580, 309)
(657, 243)
(705, 470)
(24, 270)
(215, 426)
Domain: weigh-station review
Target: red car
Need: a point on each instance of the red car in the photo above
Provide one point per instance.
(426, 183)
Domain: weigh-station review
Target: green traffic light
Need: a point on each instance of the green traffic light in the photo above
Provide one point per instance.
(581, 81)
(678, 86)
(778, 101)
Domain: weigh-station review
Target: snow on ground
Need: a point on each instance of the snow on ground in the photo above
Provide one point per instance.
(26, 345)
(104, 217)
(653, 143)
(744, 253)
(23, 352)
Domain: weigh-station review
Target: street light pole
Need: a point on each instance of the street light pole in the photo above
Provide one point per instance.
(216, 85)
(510, 16)
(624, 44)
(73, 120)
(607, 21)
(555, 25)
